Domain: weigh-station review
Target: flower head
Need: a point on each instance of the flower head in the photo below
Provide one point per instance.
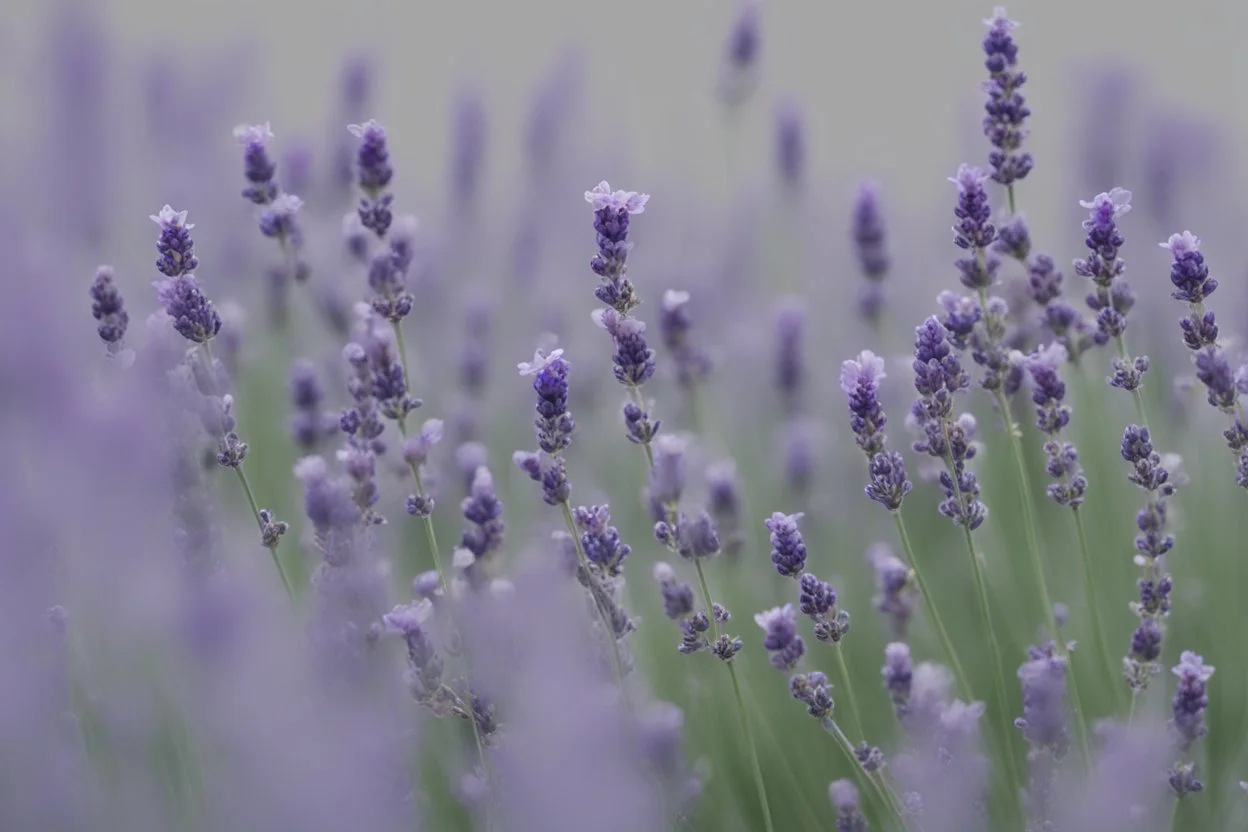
(605, 199)
(109, 309)
(788, 551)
(781, 639)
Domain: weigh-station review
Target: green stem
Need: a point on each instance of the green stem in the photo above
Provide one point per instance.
(1009, 192)
(398, 344)
(1131, 708)
(1136, 394)
(617, 664)
(1174, 815)
(736, 689)
(946, 643)
(854, 713)
(1037, 567)
(255, 510)
(1094, 611)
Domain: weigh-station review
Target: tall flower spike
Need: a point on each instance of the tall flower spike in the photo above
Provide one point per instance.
(484, 512)
(790, 367)
(1052, 416)
(554, 422)
(1190, 699)
(108, 308)
(868, 234)
(175, 246)
(310, 424)
(258, 166)
(974, 230)
(738, 75)
(895, 587)
(692, 364)
(1111, 298)
(790, 139)
(860, 381)
(1005, 109)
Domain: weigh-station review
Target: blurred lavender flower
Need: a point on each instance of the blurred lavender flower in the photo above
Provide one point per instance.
(844, 797)
(1052, 416)
(373, 175)
(1014, 239)
(738, 75)
(790, 366)
(1069, 327)
(468, 142)
(1044, 720)
(868, 234)
(790, 145)
(1190, 700)
(109, 309)
(1006, 109)
(781, 639)
(310, 423)
(724, 496)
(678, 601)
(898, 676)
(484, 512)
(1112, 297)
(692, 364)
(895, 589)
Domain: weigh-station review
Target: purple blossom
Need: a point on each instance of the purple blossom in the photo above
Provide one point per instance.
(1014, 239)
(974, 230)
(1188, 272)
(790, 368)
(894, 584)
(1190, 700)
(310, 424)
(633, 360)
(193, 315)
(817, 601)
(678, 598)
(860, 381)
(898, 676)
(109, 309)
(484, 513)
(612, 212)
(844, 797)
(258, 167)
(724, 498)
(790, 144)
(889, 484)
(781, 639)
(788, 551)
(175, 246)
(599, 539)
(554, 423)
(869, 237)
(692, 364)
(1111, 298)
(1005, 109)
(1044, 720)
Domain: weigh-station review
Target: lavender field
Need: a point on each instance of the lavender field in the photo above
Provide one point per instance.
(726, 419)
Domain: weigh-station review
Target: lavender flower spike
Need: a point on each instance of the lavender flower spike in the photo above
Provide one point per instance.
(612, 212)
(1190, 700)
(194, 317)
(554, 423)
(176, 248)
(258, 167)
(788, 551)
(844, 797)
(860, 381)
(1052, 416)
(781, 639)
(1005, 110)
(109, 309)
(869, 236)
(373, 175)
(1112, 298)
(974, 230)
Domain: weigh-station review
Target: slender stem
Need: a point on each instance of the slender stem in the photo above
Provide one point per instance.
(1094, 611)
(430, 536)
(1009, 192)
(255, 509)
(1136, 394)
(946, 643)
(1131, 709)
(617, 664)
(854, 713)
(398, 344)
(985, 614)
(736, 689)
(1174, 816)
(1033, 552)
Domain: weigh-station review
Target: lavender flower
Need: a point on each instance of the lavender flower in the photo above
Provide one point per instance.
(417, 447)
(724, 495)
(1005, 110)
(1014, 239)
(898, 676)
(1052, 416)
(326, 501)
(790, 145)
(974, 230)
(633, 360)
(788, 551)
(868, 234)
(1112, 297)
(175, 246)
(678, 599)
(258, 167)
(1190, 700)
(554, 423)
(860, 381)
(484, 512)
(612, 211)
(844, 797)
(1070, 328)
(667, 476)
(741, 55)
(692, 364)
(781, 639)
(109, 309)
(894, 584)
(600, 540)
(1043, 678)
(193, 315)
(790, 368)
(310, 424)
(938, 377)
(373, 175)
(817, 601)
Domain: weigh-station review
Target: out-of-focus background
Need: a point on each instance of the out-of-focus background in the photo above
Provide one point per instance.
(499, 116)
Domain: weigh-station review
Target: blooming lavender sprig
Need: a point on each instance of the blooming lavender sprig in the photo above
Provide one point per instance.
(373, 175)
(612, 213)
(724, 504)
(194, 317)
(1070, 327)
(781, 640)
(1152, 543)
(108, 308)
(600, 540)
(1052, 417)
(860, 381)
(554, 425)
(817, 601)
(278, 218)
(869, 236)
(974, 231)
(692, 364)
(898, 673)
(1192, 285)
(790, 365)
(1005, 108)
(311, 424)
(175, 245)
(485, 533)
(938, 378)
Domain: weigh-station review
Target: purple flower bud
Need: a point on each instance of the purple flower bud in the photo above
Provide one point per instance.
(815, 598)
(417, 447)
(860, 381)
(258, 167)
(193, 315)
(176, 248)
(1043, 679)
(1005, 110)
(483, 510)
(677, 595)
(868, 233)
(1190, 700)
(109, 309)
(372, 163)
(1188, 272)
(974, 230)
(790, 367)
(554, 423)
(599, 539)
(844, 797)
(895, 591)
(790, 144)
(898, 676)
(667, 477)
